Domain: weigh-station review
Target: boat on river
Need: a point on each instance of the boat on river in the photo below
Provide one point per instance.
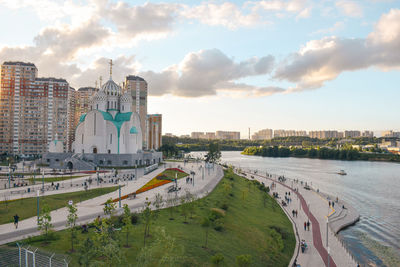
(342, 172)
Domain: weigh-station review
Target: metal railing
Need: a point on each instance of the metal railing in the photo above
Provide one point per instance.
(26, 255)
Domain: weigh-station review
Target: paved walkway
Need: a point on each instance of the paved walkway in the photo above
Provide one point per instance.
(88, 210)
(313, 207)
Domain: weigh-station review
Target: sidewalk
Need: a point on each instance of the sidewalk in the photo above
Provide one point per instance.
(312, 207)
(88, 210)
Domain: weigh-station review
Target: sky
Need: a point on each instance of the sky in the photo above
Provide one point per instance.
(224, 65)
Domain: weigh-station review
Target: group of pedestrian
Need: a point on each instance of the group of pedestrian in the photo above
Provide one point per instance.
(294, 213)
(288, 199)
(307, 226)
(189, 180)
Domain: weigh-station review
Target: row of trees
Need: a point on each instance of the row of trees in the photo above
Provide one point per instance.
(320, 153)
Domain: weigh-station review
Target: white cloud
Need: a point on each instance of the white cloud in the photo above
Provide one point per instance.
(300, 7)
(350, 8)
(335, 28)
(206, 72)
(323, 60)
(226, 14)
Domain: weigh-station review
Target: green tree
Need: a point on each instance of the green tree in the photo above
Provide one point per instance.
(205, 222)
(126, 219)
(217, 259)
(44, 223)
(164, 251)
(158, 203)
(147, 215)
(109, 207)
(71, 221)
(214, 153)
(87, 252)
(243, 260)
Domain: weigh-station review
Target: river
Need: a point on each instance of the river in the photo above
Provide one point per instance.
(373, 188)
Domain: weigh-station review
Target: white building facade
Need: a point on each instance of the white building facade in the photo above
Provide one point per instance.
(110, 127)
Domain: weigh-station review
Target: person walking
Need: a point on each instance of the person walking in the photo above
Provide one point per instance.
(333, 204)
(305, 226)
(329, 203)
(16, 219)
(308, 225)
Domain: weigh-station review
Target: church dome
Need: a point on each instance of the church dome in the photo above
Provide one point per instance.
(126, 98)
(111, 88)
(99, 96)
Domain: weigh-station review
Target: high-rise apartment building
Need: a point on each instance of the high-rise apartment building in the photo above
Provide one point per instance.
(324, 134)
(228, 135)
(154, 131)
(78, 104)
(33, 111)
(138, 88)
(209, 135)
(71, 118)
(265, 134)
(368, 134)
(197, 135)
(287, 133)
(350, 134)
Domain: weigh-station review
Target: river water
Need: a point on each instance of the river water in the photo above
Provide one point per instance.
(373, 188)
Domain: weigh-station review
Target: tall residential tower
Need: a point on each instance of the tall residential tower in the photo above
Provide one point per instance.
(137, 87)
(33, 110)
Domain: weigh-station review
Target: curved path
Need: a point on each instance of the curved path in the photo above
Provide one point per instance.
(318, 257)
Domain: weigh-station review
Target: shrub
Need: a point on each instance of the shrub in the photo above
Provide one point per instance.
(219, 225)
(134, 218)
(243, 260)
(217, 259)
(216, 214)
(224, 206)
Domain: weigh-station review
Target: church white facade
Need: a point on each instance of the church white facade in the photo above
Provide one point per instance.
(110, 127)
(109, 135)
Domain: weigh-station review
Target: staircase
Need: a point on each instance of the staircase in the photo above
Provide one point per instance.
(79, 162)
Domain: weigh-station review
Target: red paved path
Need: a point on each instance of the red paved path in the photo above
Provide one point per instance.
(317, 240)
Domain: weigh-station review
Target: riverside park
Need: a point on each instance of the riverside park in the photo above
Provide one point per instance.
(181, 213)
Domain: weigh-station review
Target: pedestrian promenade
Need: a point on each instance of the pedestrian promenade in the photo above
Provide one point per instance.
(313, 207)
(88, 210)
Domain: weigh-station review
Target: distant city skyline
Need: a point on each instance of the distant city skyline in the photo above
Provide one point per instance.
(245, 135)
(227, 65)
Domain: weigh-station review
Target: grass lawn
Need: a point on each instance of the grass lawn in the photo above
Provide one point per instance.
(249, 226)
(26, 207)
(54, 179)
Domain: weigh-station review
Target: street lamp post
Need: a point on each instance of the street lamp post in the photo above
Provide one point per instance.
(328, 255)
(327, 245)
(9, 176)
(202, 172)
(43, 180)
(34, 174)
(119, 189)
(97, 176)
(37, 205)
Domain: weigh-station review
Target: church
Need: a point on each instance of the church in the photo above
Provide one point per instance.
(108, 135)
(110, 127)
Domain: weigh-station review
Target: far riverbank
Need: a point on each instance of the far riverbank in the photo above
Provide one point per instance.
(319, 153)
